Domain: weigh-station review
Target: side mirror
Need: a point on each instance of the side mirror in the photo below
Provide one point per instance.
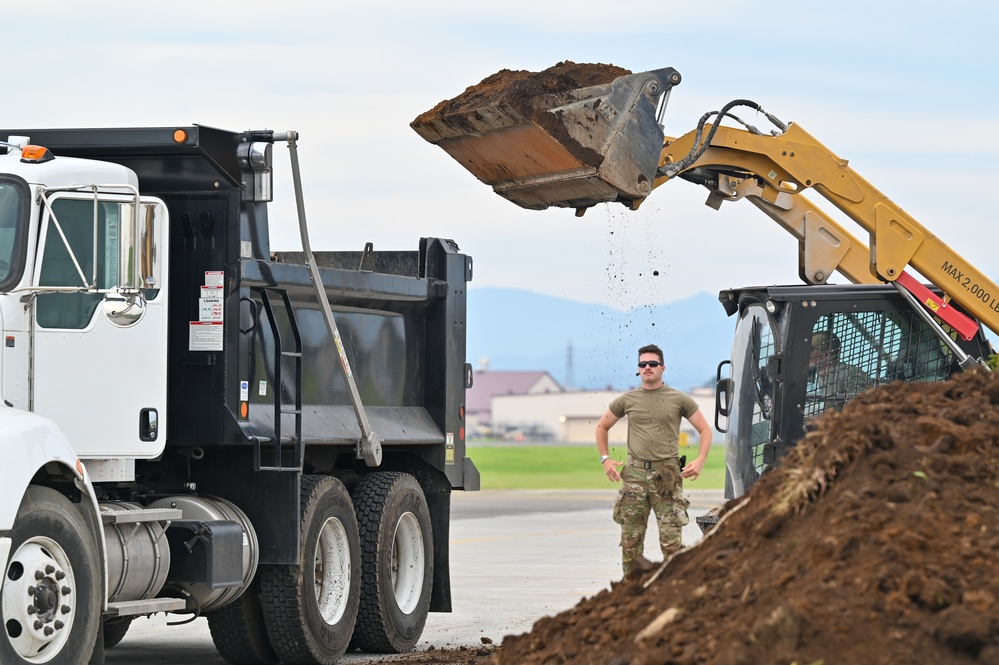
(123, 310)
(139, 258)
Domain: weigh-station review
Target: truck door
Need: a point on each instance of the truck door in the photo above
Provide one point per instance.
(99, 347)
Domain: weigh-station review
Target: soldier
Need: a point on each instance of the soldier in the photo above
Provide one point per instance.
(652, 476)
(831, 382)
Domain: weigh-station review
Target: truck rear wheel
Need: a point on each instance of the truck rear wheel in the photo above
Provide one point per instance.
(51, 601)
(238, 631)
(310, 609)
(398, 562)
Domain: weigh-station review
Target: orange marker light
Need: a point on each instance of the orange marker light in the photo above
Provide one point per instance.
(244, 409)
(180, 136)
(35, 154)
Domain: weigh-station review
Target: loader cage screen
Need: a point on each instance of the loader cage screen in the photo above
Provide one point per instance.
(854, 351)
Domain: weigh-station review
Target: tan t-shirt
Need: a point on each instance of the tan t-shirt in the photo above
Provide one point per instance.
(654, 420)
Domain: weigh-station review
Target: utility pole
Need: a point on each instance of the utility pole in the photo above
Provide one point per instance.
(570, 379)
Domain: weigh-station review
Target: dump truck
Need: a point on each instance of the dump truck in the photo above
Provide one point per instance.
(197, 424)
(575, 136)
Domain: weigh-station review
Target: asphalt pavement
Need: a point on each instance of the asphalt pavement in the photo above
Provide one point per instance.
(516, 556)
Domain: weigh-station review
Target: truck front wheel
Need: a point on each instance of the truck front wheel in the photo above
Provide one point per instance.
(51, 603)
(398, 550)
(310, 609)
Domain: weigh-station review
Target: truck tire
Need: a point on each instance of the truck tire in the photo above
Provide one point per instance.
(238, 631)
(55, 570)
(348, 478)
(310, 609)
(398, 562)
(114, 630)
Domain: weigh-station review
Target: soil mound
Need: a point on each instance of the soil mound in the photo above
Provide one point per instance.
(875, 541)
(520, 89)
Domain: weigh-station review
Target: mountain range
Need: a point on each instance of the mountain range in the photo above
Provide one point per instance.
(594, 347)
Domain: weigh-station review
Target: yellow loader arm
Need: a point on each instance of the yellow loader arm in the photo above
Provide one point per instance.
(779, 167)
(823, 245)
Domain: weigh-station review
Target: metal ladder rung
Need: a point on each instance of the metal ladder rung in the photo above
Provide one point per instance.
(133, 607)
(291, 354)
(112, 516)
(296, 412)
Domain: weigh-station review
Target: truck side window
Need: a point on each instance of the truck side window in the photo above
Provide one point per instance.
(75, 309)
(13, 215)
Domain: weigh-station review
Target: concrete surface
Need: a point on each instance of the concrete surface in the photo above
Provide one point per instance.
(516, 556)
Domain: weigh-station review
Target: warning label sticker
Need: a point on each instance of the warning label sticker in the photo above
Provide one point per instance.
(210, 309)
(215, 278)
(205, 336)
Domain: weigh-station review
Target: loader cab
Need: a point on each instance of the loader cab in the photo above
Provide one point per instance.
(799, 351)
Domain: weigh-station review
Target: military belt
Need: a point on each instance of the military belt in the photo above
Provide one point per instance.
(645, 464)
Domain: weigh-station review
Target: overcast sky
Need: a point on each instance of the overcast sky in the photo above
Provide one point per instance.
(905, 91)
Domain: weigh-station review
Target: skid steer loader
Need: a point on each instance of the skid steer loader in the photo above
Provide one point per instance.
(797, 350)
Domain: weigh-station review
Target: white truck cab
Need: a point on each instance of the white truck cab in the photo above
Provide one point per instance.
(82, 300)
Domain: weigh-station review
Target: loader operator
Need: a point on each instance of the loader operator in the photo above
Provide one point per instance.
(652, 477)
(830, 380)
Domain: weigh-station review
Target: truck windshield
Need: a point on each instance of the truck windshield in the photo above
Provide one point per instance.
(13, 212)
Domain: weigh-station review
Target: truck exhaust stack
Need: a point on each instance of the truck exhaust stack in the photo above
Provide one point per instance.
(571, 136)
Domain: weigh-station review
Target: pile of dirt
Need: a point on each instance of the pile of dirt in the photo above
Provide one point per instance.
(508, 98)
(875, 541)
(520, 89)
(449, 656)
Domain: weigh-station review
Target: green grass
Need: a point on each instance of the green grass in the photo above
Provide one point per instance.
(569, 467)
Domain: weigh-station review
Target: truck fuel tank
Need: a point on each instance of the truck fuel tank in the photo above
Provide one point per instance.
(570, 136)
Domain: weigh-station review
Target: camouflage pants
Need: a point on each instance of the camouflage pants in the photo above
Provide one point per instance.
(644, 490)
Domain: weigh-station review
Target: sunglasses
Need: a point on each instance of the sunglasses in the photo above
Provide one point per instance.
(649, 363)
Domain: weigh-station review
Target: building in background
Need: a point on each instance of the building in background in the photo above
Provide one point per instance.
(533, 406)
(572, 416)
(488, 384)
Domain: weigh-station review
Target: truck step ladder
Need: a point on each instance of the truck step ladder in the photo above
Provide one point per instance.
(110, 515)
(282, 408)
(127, 608)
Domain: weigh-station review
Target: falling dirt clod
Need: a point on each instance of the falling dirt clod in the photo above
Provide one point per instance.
(875, 541)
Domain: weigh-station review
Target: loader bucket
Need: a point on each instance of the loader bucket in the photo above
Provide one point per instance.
(571, 148)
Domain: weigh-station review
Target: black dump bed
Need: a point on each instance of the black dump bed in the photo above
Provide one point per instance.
(277, 375)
